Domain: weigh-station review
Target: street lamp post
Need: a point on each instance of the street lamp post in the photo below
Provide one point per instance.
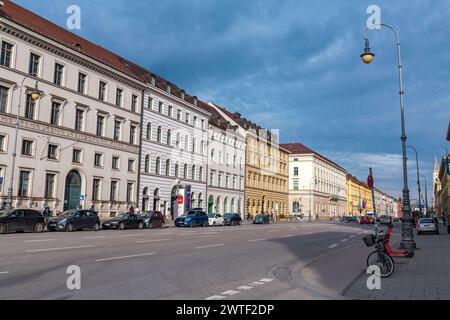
(367, 57)
(426, 194)
(418, 174)
(35, 95)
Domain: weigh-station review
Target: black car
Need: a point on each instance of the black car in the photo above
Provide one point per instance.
(74, 220)
(261, 219)
(21, 220)
(125, 221)
(232, 219)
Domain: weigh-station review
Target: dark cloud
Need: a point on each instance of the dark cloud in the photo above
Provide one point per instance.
(293, 65)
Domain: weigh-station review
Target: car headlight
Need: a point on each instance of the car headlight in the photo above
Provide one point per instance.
(114, 222)
(63, 222)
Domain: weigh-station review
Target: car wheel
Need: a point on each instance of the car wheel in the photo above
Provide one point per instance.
(122, 226)
(192, 224)
(419, 233)
(38, 228)
(97, 227)
(3, 228)
(140, 226)
(69, 227)
(214, 224)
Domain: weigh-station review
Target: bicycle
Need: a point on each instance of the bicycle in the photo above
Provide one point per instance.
(379, 257)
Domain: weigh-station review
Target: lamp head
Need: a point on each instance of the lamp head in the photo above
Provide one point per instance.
(36, 94)
(367, 56)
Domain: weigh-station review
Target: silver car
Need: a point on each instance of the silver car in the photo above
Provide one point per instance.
(427, 225)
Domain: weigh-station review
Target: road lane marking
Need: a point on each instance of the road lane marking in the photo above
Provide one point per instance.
(216, 298)
(133, 235)
(352, 236)
(257, 240)
(58, 249)
(150, 241)
(256, 283)
(4, 272)
(162, 233)
(210, 235)
(344, 240)
(287, 236)
(266, 280)
(196, 234)
(230, 293)
(333, 246)
(211, 246)
(126, 257)
(245, 288)
(43, 240)
(96, 237)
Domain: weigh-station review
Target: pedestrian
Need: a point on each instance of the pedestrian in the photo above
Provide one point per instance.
(3, 205)
(131, 209)
(92, 208)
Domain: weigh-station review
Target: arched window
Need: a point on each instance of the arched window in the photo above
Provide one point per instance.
(185, 171)
(158, 165)
(225, 206)
(193, 145)
(178, 139)
(169, 137)
(149, 131)
(200, 200)
(232, 206)
(147, 164)
(177, 170)
(186, 143)
(159, 135)
(168, 168)
(193, 173)
(200, 174)
(212, 155)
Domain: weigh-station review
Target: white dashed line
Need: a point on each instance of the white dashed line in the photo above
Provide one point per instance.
(257, 283)
(58, 249)
(211, 246)
(126, 257)
(266, 280)
(257, 240)
(215, 298)
(5, 272)
(351, 237)
(333, 246)
(44, 240)
(344, 240)
(133, 235)
(150, 241)
(287, 236)
(97, 237)
(245, 288)
(230, 293)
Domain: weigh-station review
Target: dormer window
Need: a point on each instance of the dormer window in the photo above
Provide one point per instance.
(169, 88)
(195, 101)
(182, 94)
(153, 81)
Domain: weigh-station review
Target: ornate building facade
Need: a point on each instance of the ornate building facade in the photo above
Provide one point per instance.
(266, 168)
(78, 144)
(359, 197)
(317, 185)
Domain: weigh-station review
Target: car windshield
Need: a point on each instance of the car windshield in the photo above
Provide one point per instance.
(259, 216)
(5, 213)
(123, 216)
(228, 216)
(68, 213)
(426, 221)
(211, 215)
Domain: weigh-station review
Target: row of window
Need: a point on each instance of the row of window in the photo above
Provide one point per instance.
(79, 118)
(177, 174)
(34, 67)
(192, 147)
(225, 159)
(158, 106)
(50, 187)
(230, 182)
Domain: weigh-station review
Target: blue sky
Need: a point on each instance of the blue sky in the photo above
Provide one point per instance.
(294, 65)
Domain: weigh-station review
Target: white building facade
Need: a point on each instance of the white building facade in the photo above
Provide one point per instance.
(226, 166)
(78, 145)
(317, 186)
(174, 151)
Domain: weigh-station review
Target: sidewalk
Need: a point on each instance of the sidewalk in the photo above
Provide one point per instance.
(425, 277)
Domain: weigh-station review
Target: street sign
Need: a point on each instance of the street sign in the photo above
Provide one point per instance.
(370, 181)
(180, 199)
(82, 197)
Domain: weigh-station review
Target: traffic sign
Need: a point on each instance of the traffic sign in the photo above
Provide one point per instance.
(370, 181)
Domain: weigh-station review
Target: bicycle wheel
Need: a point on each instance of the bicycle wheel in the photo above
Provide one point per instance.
(383, 261)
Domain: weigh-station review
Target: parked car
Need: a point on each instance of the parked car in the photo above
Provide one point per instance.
(261, 219)
(385, 219)
(192, 219)
(427, 225)
(232, 219)
(72, 220)
(153, 219)
(215, 219)
(125, 221)
(366, 220)
(396, 219)
(21, 220)
(351, 219)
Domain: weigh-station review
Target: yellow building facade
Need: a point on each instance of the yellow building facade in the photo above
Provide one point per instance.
(266, 183)
(359, 197)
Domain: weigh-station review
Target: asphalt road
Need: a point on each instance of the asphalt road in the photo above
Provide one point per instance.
(239, 263)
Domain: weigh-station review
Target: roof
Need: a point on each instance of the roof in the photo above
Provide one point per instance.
(33, 22)
(216, 119)
(298, 148)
